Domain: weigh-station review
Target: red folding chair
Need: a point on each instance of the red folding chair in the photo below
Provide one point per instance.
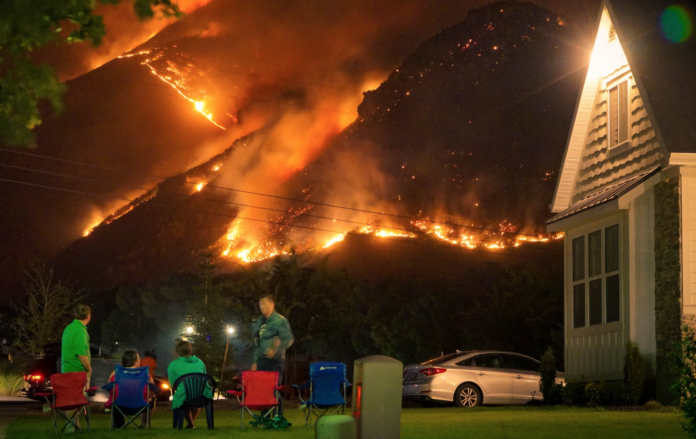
(259, 392)
(68, 394)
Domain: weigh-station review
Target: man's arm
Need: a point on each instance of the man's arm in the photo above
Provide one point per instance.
(87, 365)
(285, 335)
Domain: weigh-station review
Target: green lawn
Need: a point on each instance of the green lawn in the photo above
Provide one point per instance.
(495, 422)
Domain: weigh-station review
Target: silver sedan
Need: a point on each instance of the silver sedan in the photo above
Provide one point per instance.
(474, 378)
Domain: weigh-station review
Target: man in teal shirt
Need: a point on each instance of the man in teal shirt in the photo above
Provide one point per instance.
(272, 337)
(75, 355)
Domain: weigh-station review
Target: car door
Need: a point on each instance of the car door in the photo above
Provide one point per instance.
(525, 377)
(489, 374)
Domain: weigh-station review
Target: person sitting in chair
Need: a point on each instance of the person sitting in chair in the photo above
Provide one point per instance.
(185, 364)
(130, 360)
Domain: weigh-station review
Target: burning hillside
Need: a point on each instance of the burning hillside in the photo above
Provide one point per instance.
(456, 148)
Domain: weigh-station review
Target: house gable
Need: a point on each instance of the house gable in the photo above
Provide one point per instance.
(590, 163)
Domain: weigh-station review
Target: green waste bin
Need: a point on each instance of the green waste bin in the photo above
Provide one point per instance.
(335, 427)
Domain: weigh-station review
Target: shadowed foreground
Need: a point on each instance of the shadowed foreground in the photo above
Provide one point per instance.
(497, 422)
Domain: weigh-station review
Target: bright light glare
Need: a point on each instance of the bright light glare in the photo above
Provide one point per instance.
(230, 330)
(189, 330)
(199, 105)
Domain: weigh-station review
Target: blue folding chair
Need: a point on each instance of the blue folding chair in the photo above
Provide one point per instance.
(132, 389)
(327, 390)
(194, 385)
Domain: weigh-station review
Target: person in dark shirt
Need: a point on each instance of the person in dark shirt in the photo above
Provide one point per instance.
(272, 337)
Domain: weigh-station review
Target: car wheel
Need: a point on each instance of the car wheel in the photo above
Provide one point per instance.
(468, 395)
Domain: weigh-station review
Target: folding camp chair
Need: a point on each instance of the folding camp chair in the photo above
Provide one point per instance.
(259, 392)
(131, 395)
(68, 394)
(194, 384)
(327, 390)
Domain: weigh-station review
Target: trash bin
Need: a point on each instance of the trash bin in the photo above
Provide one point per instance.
(335, 427)
(377, 397)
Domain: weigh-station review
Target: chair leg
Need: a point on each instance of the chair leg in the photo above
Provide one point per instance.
(55, 424)
(209, 415)
(89, 427)
(241, 411)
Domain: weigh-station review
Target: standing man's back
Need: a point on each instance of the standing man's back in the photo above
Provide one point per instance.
(150, 362)
(75, 355)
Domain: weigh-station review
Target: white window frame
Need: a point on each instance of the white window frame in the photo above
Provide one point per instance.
(584, 231)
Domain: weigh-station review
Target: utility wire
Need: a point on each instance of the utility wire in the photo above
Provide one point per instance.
(214, 200)
(90, 194)
(315, 203)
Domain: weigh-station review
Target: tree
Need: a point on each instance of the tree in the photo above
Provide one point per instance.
(207, 320)
(48, 309)
(26, 25)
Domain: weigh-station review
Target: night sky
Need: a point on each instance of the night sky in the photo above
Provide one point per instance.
(300, 55)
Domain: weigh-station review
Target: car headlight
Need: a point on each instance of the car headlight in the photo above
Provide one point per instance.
(165, 386)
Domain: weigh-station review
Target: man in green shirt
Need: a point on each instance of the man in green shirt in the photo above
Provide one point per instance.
(75, 355)
(272, 337)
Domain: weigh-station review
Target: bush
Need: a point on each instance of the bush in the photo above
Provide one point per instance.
(684, 356)
(593, 393)
(653, 405)
(11, 379)
(574, 393)
(553, 393)
(634, 374)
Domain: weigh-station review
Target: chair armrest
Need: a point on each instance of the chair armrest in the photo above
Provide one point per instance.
(302, 386)
(109, 387)
(152, 387)
(236, 393)
(45, 395)
(92, 391)
(281, 388)
(346, 382)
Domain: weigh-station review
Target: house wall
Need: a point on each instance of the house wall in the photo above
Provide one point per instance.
(594, 353)
(601, 166)
(641, 248)
(668, 310)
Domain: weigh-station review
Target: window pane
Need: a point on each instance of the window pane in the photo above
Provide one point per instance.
(579, 306)
(623, 112)
(512, 361)
(613, 117)
(594, 253)
(490, 361)
(611, 248)
(579, 258)
(613, 299)
(596, 302)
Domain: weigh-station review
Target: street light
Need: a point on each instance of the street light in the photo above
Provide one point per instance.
(189, 330)
(229, 331)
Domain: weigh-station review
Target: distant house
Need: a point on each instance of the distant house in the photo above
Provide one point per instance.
(626, 195)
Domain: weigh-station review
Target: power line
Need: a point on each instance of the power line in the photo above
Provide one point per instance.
(214, 200)
(90, 194)
(273, 196)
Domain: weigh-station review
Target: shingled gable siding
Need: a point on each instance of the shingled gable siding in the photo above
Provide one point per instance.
(599, 168)
(668, 315)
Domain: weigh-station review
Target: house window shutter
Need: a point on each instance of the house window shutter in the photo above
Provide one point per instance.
(613, 117)
(579, 258)
(623, 112)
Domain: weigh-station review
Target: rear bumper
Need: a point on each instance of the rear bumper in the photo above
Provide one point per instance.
(425, 390)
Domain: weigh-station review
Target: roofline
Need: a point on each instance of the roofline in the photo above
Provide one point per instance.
(555, 205)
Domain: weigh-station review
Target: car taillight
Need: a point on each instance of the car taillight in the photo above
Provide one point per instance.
(404, 373)
(432, 371)
(33, 377)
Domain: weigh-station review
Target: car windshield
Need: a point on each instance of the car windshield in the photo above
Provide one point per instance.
(443, 358)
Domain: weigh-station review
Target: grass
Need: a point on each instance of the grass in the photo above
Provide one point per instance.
(11, 379)
(480, 423)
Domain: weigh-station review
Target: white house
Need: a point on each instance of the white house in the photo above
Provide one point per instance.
(626, 195)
